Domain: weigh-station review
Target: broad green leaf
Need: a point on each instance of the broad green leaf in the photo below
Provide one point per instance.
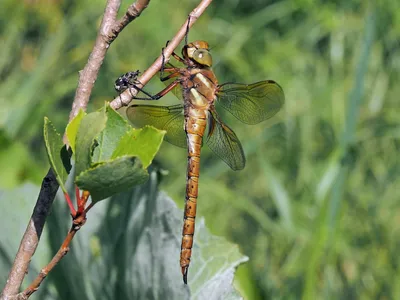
(109, 178)
(89, 128)
(57, 153)
(111, 156)
(116, 128)
(214, 261)
(137, 235)
(143, 143)
(22, 200)
(72, 129)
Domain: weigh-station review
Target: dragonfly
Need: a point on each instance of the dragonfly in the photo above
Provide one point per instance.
(196, 119)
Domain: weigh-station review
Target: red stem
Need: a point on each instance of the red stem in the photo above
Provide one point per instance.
(71, 206)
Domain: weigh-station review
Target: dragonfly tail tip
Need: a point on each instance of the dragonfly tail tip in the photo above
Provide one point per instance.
(184, 273)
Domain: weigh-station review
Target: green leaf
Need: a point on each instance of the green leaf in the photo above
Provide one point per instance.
(137, 237)
(90, 127)
(111, 156)
(214, 261)
(140, 236)
(56, 151)
(144, 143)
(22, 200)
(72, 128)
(109, 178)
(116, 128)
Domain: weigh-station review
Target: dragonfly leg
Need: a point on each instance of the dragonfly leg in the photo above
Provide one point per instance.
(172, 75)
(164, 69)
(176, 56)
(158, 95)
(187, 30)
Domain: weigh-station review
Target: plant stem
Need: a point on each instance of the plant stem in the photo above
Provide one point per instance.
(31, 236)
(34, 286)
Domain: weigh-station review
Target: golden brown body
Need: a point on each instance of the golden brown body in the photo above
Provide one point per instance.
(249, 103)
(199, 87)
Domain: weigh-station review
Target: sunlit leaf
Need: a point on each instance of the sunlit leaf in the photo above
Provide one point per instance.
(116, 127)
(56, 151)
(143, 143)
(89, 128)
(72, 128)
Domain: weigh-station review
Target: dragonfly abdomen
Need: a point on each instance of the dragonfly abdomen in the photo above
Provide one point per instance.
(195, 124)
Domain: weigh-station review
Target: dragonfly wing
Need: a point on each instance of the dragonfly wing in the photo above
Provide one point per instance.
(169, 118)
(177, 90)
(224, 143)
(251, 103)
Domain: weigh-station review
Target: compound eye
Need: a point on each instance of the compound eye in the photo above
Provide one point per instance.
(203, 57)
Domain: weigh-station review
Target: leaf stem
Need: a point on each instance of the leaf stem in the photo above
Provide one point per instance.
(70, 205)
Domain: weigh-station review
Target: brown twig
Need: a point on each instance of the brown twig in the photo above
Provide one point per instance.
(124, 98)
(88, 76)
(109, 30)
(31, 236)
(134, 11)
(33, 287)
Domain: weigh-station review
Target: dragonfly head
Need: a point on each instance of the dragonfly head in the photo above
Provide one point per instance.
(198, 52)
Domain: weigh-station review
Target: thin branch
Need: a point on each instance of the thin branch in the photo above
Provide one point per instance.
(88, 76)
(134, 11)
(34, 286)
(124, 98)
(32, 235)
(109, 30)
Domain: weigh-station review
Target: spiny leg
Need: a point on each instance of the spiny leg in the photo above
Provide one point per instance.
(158, 95)
(187, 30)
(176, 56)
(164, 69)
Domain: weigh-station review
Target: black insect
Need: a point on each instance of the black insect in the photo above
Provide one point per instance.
(126, 80)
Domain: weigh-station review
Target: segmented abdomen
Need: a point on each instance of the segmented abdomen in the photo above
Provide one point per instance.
(195, 124)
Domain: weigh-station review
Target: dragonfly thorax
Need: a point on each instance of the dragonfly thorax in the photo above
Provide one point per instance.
(198, 52)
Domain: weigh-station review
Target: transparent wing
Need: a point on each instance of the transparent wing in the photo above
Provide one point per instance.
(251, 103)
(169, 118)
(177, 90)
(224, 143)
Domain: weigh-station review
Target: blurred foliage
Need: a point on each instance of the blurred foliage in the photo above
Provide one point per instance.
(316, 208)
(128, 249)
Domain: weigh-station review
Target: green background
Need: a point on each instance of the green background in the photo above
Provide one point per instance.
(317, 207)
